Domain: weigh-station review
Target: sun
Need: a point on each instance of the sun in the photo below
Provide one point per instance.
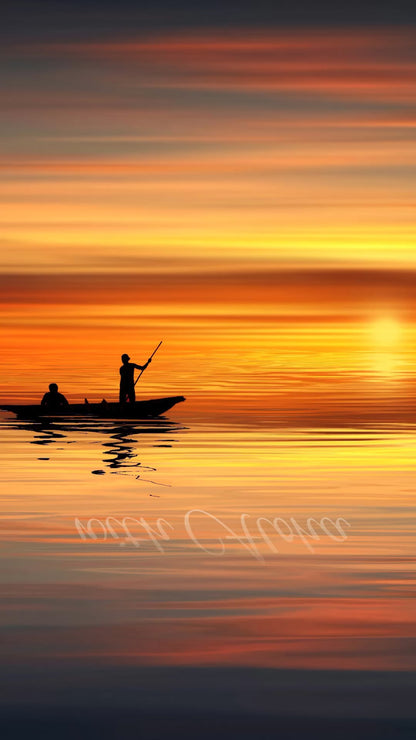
(386, 331)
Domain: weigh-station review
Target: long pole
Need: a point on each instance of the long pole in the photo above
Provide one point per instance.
(153, 353)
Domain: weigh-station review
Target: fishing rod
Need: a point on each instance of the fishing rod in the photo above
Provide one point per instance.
(141, 371)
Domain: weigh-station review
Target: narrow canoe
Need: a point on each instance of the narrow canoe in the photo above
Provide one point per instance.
(138, 410)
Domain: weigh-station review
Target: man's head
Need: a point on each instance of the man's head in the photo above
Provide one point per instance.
(125, 358)
(53, 388)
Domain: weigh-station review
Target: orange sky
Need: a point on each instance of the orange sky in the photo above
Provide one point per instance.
(268, 147)
(263, 175)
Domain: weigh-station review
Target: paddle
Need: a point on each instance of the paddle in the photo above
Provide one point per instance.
(141, 371)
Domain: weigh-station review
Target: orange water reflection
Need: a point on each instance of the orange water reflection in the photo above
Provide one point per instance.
(348, 604)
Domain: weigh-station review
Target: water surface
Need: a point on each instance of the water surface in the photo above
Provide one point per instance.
(203, 594)
(153, 564)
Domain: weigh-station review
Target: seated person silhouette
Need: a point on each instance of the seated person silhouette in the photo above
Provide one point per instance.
(127, 389)
(54, 401)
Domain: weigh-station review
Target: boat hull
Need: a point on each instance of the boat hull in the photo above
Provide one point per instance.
(103, 410)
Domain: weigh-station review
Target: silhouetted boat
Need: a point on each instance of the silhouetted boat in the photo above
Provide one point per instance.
(138, 410)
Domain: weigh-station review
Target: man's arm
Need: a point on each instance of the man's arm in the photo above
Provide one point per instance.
(44, 400)
(142, 367)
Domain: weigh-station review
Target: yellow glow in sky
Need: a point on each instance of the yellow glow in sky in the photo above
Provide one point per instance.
(386, 331)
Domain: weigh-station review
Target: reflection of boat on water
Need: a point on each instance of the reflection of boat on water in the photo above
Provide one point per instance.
(120, 452)
(103, 410)
(120, 440)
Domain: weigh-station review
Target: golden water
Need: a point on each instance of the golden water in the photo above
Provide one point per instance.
(277, 423)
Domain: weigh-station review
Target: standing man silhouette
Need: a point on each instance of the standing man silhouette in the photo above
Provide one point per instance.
(127, 390)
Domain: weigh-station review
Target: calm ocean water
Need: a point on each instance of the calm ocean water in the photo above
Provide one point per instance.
(156, 546)
(250, 558)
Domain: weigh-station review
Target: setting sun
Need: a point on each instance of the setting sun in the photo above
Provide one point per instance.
(386, 331)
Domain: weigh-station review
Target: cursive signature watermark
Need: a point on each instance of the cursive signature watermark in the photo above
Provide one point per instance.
(261, 531)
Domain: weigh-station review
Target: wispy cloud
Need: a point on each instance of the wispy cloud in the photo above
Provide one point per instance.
(234, 146)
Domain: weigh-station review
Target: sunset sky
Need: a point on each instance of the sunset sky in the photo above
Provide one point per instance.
(236, 180)
(207, 161)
